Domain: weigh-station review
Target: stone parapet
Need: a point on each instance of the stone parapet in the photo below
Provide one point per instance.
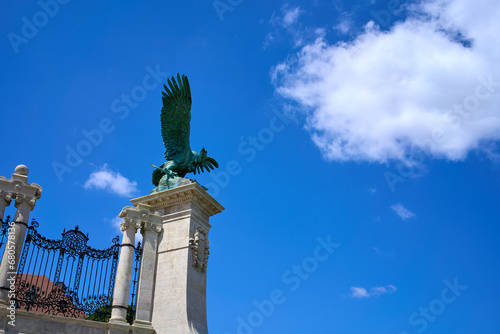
(35, 323)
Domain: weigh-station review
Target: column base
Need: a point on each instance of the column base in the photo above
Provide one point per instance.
(142, 324)
(120, 321)
(125, 328)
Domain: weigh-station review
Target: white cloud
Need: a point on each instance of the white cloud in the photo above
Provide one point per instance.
(291, 16)
(268, 40)
(345, 24)
(359, 292)
(116, 222)
(289, 22)
(402, 212)
(114, 182)
(431, 84)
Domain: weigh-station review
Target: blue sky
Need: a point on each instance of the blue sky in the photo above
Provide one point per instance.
(357, 143)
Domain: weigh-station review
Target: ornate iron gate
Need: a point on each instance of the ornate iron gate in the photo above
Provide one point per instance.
(133, 287)
(66, 277)
(4, 226)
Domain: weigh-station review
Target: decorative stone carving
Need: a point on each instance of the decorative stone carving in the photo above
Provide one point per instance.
(151, 227)
(144, 214)
(25, 199)
(6, 196)
(199, 246)
(130, 223)
(140, 216)
(125, 210)
(18, 185)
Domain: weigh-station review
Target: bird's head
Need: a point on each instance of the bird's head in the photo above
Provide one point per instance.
(202, 161)
(203, 153)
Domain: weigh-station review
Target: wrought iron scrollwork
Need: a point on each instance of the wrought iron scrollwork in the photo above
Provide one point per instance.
(4, 231)
(135, 276)
(66, 277)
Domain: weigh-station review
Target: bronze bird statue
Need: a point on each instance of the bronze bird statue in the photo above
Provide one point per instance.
(175, 128)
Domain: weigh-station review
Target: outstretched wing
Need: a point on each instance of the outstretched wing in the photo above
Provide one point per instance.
(176, 117)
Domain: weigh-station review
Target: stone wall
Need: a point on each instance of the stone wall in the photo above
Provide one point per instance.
(35, 323)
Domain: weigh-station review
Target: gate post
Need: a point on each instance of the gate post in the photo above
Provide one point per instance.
(134, 218)
(26, 196)
(179, 283)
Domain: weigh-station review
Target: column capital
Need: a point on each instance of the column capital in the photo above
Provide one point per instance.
(6, 196)
(142, 215)
(151, 227)
(18, 187)
(26, 200)
(129, 223)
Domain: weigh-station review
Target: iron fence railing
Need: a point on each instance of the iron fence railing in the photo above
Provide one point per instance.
(4, 234)
(67, 277)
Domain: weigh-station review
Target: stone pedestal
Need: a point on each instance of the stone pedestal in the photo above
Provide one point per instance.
(179, 297)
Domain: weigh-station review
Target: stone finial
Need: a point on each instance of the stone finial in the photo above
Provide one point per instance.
(21, 170)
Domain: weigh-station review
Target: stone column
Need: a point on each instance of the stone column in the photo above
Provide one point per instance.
(26, 196)
(179, 301)
(125, 264)
(147, 273)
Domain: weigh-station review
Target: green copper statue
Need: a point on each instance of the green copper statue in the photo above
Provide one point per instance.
(175, 124)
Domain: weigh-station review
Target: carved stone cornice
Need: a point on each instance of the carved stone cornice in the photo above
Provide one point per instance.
(187, 193)
(199, 246)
